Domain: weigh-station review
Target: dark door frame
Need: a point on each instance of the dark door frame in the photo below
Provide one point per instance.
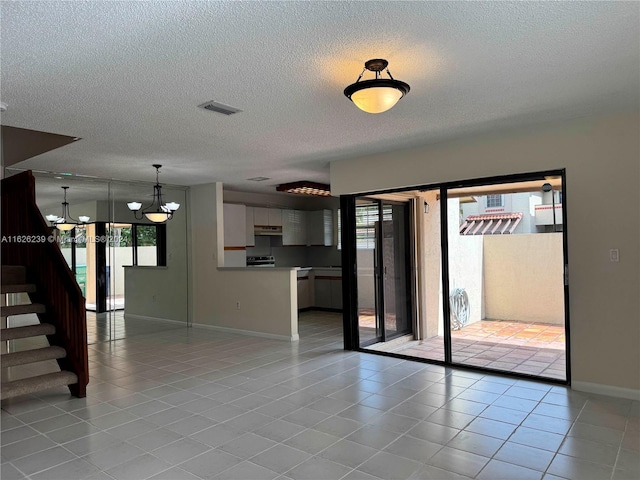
(349, 269)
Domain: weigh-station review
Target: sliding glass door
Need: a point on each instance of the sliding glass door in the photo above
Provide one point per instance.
(469, 273)
(506, 277)
(383, 269)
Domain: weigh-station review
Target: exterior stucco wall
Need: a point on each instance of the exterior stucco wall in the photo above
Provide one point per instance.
(523, 278)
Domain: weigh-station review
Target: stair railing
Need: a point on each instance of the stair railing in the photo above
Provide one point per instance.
(28, 241)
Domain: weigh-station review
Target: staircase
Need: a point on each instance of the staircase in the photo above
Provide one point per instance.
(48, 321)
(17, 363)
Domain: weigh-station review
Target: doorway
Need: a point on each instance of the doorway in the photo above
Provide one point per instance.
(483, 282)
(383, 270)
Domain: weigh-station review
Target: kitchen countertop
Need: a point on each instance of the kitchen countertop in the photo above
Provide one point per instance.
(271, 269)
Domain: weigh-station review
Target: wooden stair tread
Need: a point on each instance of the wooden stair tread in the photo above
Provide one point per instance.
(32, 356)
(23, 309)
(17, 288)
(27, 331)
(12, 274)
(38, 383)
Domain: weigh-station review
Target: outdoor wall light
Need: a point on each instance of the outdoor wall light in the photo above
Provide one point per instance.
(377, 95)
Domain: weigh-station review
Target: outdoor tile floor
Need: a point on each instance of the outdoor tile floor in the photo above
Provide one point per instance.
(522, 347)
(199, 404)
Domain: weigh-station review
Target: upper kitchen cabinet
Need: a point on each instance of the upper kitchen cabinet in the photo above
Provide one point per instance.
(235, 235)
(250, 228)
(294, 227)
(320, 228)
(267, 217)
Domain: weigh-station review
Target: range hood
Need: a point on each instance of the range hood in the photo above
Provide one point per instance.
(267, 230)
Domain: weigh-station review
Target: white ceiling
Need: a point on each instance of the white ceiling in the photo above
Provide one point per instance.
(127, 77)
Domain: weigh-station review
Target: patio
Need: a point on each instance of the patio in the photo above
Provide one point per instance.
(520, 347)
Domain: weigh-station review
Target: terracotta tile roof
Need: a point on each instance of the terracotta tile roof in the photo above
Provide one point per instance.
(490, 224)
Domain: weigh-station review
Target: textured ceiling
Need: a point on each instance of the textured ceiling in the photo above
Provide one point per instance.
(127, 77)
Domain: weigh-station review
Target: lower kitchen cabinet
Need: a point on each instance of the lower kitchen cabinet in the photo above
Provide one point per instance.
(304, 293)
(328, 292)
(322, 292)
(336, 294)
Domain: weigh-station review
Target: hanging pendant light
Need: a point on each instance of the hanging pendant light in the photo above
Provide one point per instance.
(377, 95)
(158, 211)
(66, 222)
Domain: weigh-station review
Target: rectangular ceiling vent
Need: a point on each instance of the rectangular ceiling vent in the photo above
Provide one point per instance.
(219, 108)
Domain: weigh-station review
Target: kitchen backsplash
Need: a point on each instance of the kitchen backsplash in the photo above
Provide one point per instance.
(295, 256)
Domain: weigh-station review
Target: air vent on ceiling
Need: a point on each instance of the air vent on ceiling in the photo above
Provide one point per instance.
(219, 108)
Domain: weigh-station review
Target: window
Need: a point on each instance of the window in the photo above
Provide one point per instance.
(148, 242)
(495, 201)
(366, 220)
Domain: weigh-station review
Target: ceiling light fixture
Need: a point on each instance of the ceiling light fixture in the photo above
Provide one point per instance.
(158, 211)
(66, 222)
(377, 95)
(306, 188)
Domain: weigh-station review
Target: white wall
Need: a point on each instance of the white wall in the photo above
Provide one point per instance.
(267, 297)
(465, 264)
(602, 201)
(161, 292)
(365, 262)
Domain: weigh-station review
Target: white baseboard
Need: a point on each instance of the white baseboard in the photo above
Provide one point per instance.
(292, 338)
(609, 390)
(153, 319)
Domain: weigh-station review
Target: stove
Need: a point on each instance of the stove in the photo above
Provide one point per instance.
(264, 261)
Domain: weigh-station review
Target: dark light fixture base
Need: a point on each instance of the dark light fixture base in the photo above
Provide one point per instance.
(376, 64)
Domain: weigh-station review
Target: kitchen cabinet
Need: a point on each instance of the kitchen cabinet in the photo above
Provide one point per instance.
(235, 235)
(304, 292)
(267, 217)
(328, 289)
(294, 227)
(322, 291)
(275, 217)
(320, 228)
(250, 228)
(336, 293)
(235, 225)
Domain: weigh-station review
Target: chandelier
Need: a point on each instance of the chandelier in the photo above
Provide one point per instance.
(377, 95)
(66, 222)
(158, 211)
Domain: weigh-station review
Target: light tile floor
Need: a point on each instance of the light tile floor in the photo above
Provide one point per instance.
(198, 404)
(103, 327)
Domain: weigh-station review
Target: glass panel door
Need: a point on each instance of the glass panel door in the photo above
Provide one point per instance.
(383, 270)
(506, 277)
(394, 269)
(366, 214)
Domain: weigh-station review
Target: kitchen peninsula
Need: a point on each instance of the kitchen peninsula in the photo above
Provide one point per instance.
(295, 289)
(228, 295)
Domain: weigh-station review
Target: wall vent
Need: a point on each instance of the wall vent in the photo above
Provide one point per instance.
(219, 108)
